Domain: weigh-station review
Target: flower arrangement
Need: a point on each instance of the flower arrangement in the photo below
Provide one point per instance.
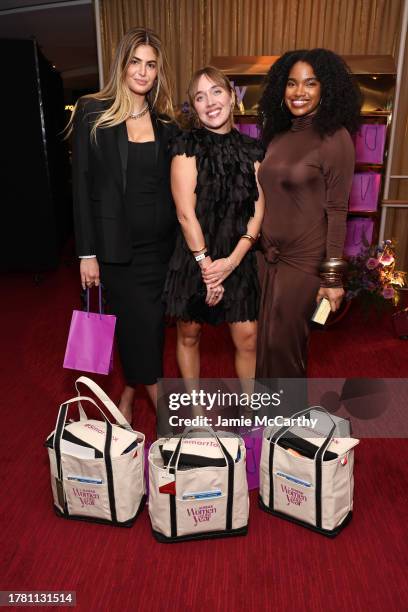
(372, 276)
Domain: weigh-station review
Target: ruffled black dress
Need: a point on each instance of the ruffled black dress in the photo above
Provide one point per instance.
(226, 194)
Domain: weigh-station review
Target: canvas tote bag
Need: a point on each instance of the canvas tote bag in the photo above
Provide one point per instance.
(97, 468)
(315, 491)
(187, 503)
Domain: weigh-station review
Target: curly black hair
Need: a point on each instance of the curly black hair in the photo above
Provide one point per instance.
(341, 98)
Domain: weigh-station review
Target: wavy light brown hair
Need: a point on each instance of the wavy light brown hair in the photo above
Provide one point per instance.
(159, 97)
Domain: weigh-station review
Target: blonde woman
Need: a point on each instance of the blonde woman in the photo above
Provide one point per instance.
(124, 214)
(213, 275)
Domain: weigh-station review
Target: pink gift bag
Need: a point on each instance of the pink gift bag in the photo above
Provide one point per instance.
(254, 130)
(250, 129)
(370, 143)
(359, 235)
(90, 340)
(365, 191)
(253, 445)
(244, 128)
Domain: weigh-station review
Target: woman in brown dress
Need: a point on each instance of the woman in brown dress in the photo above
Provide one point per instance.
(309, 108)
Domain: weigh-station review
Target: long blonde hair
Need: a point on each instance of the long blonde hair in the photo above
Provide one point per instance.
(159, 97)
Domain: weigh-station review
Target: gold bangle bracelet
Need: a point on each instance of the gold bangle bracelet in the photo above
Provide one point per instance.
(199, 250)
(249, 237)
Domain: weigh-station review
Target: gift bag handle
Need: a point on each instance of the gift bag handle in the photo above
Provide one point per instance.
(106, 401)
(362, 238)
(174, 459)
(362, 192)
(320, 449)
(372, 127)
(100, 300)
(59, 429)
(61, 420)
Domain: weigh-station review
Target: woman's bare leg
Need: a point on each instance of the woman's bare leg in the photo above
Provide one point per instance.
(243, 335)
(126, 402)
(128, 397)
(152, 393)
(244, 338)
(188, 349)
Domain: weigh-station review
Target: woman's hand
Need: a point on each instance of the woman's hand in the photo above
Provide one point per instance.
(214, 295)
(334, 296)
(217, 271)
(89, 271)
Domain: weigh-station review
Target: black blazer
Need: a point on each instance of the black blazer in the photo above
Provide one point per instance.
(99, 186)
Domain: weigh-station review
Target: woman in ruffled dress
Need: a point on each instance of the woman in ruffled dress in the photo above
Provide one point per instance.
(212, 275)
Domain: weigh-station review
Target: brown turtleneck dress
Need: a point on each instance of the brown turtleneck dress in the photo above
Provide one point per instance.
(306, 180)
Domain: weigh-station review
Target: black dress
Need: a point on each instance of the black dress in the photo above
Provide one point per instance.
(226, 194)
(135, 289)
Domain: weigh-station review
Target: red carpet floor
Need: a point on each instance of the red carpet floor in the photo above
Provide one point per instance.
(277, 566)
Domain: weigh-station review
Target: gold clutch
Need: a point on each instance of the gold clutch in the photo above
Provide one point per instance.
(322, 312)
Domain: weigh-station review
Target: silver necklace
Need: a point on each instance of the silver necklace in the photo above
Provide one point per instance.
(140, 113)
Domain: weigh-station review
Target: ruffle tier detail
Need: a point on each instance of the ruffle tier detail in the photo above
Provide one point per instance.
(226, 193)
